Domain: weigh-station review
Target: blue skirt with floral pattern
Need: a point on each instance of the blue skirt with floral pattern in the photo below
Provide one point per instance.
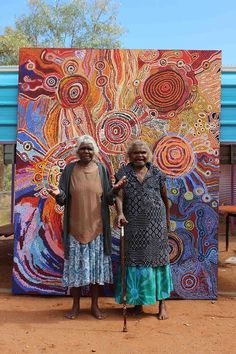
(87, 264)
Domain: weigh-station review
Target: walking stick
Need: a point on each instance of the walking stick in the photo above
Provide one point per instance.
(123, 274)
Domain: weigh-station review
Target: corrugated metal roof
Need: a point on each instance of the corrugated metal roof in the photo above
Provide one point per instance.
(9, 91)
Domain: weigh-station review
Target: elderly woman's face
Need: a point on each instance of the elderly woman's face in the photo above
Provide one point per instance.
(139, 156)
(86, 152)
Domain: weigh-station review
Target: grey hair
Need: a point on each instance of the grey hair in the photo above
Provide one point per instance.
(87, 139)
(138, 143)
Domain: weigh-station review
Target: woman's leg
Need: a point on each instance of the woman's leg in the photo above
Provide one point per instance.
(95, 310)
(138, 309)
(75, 293)
(162, 314)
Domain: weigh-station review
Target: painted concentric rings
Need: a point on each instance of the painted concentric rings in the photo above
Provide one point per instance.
(70, 67)
(164, 90)
(115, 129)
(73, 91)
(174, 156)
(50, 82)
(189, 281)
(101, 80)
(175, 247)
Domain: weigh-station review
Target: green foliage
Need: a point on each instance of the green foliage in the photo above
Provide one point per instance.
(7, 182)
(75, 23)
(5, 190)
(5, 208)
(10, 43)
(5, 174)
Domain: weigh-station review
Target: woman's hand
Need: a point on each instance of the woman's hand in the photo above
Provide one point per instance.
(121, 183)
(121, 220)
(53, 191)
(168, 225)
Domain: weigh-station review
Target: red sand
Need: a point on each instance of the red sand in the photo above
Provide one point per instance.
(32, 324)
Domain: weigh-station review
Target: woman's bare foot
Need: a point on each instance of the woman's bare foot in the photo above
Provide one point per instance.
(74, 313)
(97, 313)
(162, 314)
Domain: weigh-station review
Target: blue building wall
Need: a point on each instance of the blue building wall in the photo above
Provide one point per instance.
(9, 91)
(8, 103)
(228, 106)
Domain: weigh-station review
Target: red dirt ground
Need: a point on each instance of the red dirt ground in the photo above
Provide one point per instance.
(32, 324)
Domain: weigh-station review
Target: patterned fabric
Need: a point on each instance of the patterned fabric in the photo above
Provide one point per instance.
(146, 239)
(87, 264)
(145, 285)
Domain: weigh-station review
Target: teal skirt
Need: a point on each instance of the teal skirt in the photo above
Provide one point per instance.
(145, 285)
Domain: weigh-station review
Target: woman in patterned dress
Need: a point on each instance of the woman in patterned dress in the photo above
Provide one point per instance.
(85, 191)
(142, 206)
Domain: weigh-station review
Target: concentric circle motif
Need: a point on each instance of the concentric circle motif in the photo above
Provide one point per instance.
(70, 67)
(100, 65)
(48, 171)
(174, 156)
(27, 145)
(189, 225)
(47, 56)
(25, 87)
(30, 65)
(174, 191)
(138, 100)
(175, 247)
(50, 82)
(206, 64)
(198, 190)
(189, 281)
(101, 80)
(163, 62)
(115, 129)
(165, 91)
(73, 91)
(37, 178)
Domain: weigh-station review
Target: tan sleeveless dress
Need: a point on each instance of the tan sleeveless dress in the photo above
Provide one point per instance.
(85, 208)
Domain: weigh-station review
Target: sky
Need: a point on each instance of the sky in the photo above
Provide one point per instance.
(162, 24)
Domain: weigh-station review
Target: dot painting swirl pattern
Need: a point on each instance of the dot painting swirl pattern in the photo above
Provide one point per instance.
(164, 97)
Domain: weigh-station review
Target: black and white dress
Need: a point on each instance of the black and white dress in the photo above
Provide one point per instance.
(146, 233)
(146, 239)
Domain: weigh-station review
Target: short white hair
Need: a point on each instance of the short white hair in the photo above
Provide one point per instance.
(87, 139)
(139, 143)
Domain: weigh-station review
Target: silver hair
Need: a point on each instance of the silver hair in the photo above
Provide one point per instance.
(135, 143)
(87, 139)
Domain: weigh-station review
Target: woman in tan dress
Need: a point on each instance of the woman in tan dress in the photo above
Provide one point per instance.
(86, 192)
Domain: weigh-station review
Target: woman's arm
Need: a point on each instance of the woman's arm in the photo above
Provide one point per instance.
(121, 219)
(166, 202)
(113, 191)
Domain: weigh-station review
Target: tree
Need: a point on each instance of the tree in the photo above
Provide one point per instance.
(10, 43)
(75, 23)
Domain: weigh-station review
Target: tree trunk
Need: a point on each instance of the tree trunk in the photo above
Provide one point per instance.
(1, 169)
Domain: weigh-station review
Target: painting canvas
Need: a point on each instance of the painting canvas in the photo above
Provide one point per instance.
(170, 99)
